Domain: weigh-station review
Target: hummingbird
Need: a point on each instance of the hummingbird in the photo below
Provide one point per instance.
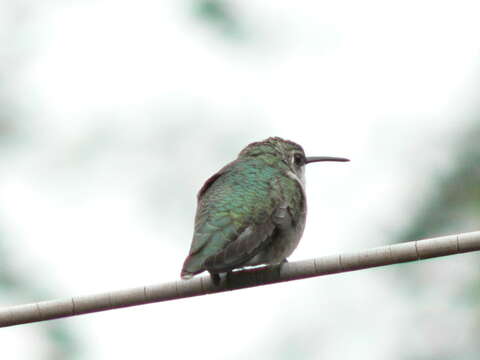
(252, 211)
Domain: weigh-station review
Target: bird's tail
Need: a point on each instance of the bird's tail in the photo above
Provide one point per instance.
(191, 267)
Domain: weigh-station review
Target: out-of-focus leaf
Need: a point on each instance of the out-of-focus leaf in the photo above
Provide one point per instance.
(453, 206)
(220, 16)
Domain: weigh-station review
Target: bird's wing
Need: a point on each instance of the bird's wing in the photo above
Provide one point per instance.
(235, 219)
(244, 247)
(200, 236)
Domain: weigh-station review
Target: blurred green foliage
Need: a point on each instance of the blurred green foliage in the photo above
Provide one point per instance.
(15, 287)
(452, 206)
(63, 343)
(220, 16)
(454, 203)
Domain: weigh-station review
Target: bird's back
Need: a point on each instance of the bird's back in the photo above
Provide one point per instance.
(240, 197)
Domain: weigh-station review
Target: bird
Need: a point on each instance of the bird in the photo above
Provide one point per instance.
(252, 211)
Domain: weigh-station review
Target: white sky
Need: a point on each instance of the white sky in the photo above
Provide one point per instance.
(388, 84)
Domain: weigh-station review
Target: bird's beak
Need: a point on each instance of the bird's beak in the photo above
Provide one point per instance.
(311, 159)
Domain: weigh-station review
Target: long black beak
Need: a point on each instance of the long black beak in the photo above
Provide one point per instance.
(311, 159)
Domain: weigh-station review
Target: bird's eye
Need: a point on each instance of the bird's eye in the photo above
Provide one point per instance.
(298, 159)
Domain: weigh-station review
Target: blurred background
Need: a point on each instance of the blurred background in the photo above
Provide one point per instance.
(113, 113)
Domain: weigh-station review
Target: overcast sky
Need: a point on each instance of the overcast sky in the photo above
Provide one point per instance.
(130, 106)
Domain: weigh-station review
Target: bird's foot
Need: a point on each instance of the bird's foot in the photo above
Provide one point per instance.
(215, 278)
(278, 267)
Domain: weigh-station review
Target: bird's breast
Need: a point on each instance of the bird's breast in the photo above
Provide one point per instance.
(282, 243)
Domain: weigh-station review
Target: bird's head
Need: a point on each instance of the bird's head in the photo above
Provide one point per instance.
(275, 150)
